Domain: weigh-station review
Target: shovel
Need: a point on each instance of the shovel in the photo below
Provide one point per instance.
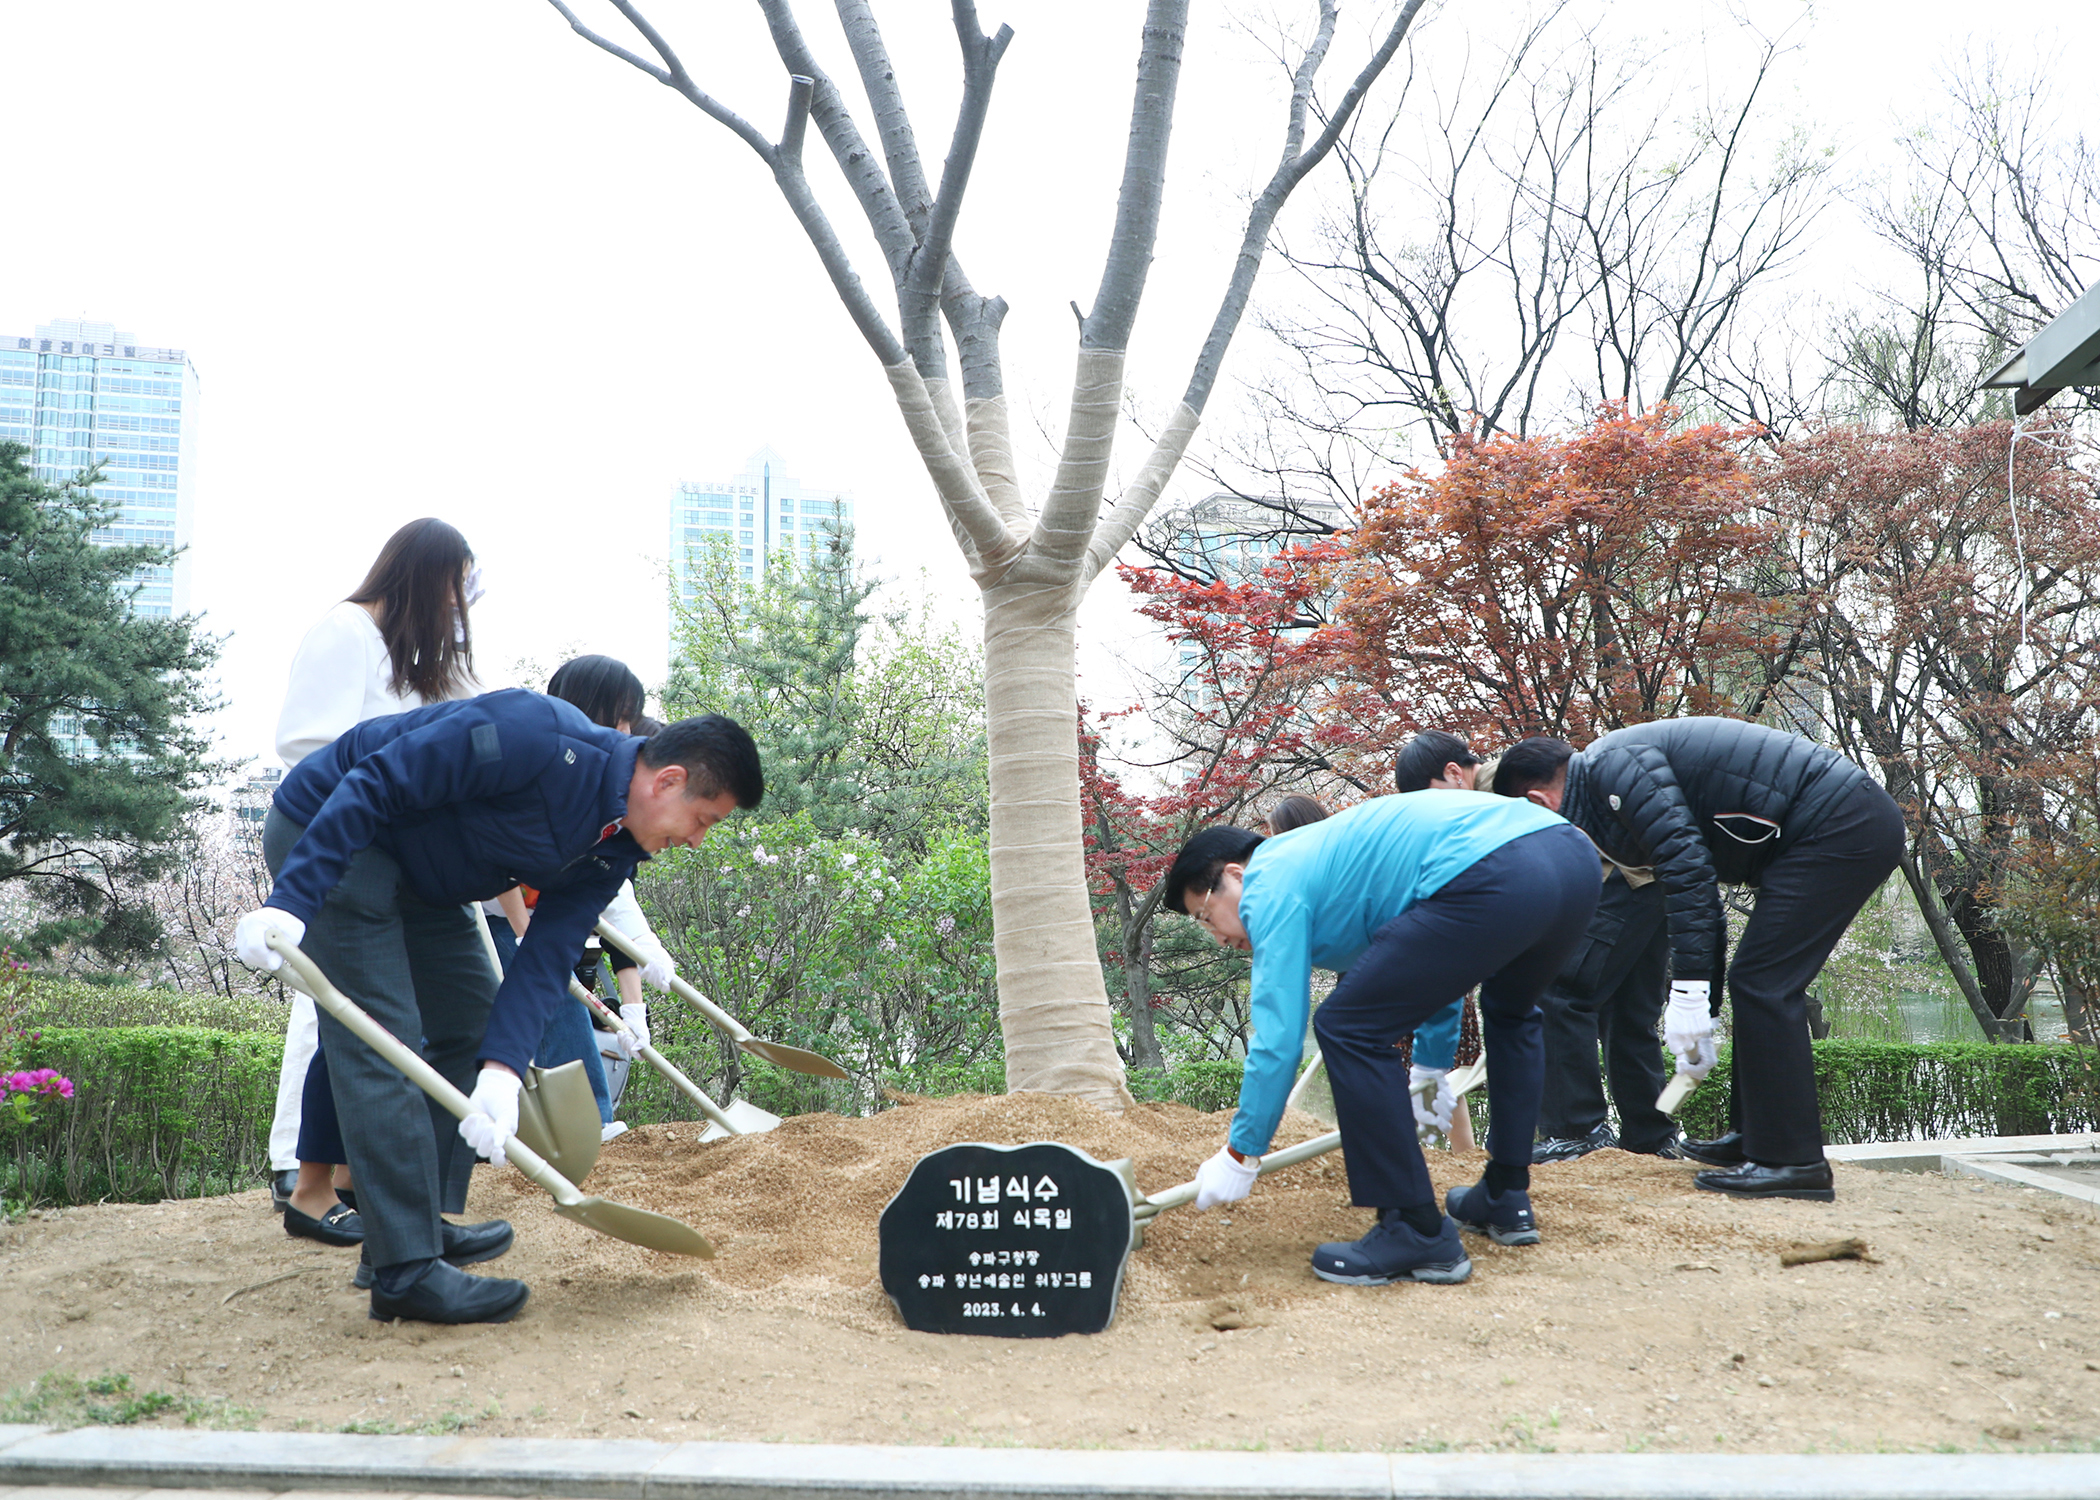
(1174, 1197)
(794, 1059)
(1463, 1081)
(637, 1226)
(656, 1059)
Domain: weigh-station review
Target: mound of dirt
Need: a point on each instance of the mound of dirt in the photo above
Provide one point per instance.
(1652, 1315)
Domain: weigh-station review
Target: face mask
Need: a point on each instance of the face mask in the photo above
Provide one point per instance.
(472, 589)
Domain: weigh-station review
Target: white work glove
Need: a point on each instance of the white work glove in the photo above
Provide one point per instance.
(251, 935)
(636, 1015)
(656, 971)
(1223, 1179)
(1688, 1027)
(495, 1116)
(1436, 1113)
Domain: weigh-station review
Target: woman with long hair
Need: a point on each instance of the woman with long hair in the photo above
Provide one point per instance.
(400, 640)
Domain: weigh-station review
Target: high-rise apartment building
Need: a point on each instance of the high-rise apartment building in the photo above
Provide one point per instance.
(763, 512)
(78, 393)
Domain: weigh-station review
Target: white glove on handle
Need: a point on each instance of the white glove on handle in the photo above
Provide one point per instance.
(637, 1018)
(495, 1120)
(1435, 1113)
(1688, 1027)
(657, 970)
(251, 937)
(1223, 1179)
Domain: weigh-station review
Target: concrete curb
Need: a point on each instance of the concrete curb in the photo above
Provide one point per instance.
(619, 1470)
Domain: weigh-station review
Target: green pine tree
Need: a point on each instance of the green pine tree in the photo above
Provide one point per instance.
(867, 722)
(83, 827)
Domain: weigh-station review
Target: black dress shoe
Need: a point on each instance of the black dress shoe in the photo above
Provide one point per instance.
(465, 1245)
(348, 1197)
(1721, 1151)
(281, 1185)
(339, 1226)
(1568, 1148)
(470, 1244)
(1810, 1180)
(446, 1294)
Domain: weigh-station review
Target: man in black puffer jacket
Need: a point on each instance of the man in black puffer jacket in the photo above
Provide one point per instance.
(1707, 802)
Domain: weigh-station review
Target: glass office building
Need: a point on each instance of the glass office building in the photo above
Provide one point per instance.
(76, 393)
(756, 517)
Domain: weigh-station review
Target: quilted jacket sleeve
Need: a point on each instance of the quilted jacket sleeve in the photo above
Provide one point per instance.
(1636, 783)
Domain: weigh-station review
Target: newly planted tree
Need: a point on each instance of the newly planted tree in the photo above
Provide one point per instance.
(1033, 561)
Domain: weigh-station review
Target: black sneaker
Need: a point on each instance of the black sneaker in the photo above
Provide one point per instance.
(1394, 1252)
(1504, 1217)
(1568, 1148)
(1721, 1151)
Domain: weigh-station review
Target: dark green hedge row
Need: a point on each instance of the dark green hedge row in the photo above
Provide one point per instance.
(1893, 1091)
(179, 1111)
(157, 1112)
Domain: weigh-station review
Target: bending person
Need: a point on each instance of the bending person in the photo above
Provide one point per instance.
(1706, 802)
(375, 844)
(1418, 899)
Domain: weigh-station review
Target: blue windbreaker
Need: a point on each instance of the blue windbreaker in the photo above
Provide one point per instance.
(1315, 895)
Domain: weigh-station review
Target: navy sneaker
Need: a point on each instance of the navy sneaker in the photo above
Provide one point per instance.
(1504, 1218)
(1394, 1252)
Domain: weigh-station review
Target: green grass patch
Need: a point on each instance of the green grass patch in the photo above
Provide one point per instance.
(62, 1399)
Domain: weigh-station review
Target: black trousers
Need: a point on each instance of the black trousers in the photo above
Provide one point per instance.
(1610, 997)
(1806, 899)
(423, 973)
(1506, 923)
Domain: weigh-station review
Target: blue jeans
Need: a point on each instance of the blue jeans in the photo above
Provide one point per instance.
(569, 1036)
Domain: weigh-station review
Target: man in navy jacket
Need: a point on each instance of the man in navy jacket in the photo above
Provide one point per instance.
(377, 845)
(1707, 802)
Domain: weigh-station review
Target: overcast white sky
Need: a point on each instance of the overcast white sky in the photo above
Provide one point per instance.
(447, 259)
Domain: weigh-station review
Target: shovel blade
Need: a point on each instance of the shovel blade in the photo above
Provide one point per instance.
(794, 1059)
(637, 1226)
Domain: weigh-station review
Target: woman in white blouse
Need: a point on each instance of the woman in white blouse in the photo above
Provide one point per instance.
(400, 640)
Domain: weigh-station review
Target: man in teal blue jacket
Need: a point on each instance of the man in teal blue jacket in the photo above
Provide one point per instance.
(1418, 898)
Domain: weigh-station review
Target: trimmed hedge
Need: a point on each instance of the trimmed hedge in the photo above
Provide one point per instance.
(1894, 1091)
(157, 1112)
(181, 1111)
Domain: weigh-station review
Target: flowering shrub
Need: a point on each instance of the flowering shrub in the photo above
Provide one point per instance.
(22, 1089)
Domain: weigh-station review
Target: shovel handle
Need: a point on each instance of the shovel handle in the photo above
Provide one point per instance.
(1275, 1161)
(717, 1017)
(412, 1066)
(654, 1058)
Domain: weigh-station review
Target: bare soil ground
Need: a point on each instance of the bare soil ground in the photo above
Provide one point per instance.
(1653, 1316)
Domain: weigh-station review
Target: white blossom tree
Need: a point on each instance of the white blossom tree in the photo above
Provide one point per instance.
(1033, 561)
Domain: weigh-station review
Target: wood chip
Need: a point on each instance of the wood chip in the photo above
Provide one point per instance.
(1698, 1265)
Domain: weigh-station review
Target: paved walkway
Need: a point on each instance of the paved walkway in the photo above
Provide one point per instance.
(133, 1463)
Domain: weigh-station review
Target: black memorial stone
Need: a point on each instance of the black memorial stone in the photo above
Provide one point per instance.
(1019, 1242)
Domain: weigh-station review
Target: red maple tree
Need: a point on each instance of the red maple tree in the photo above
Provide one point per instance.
(1558, 585)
